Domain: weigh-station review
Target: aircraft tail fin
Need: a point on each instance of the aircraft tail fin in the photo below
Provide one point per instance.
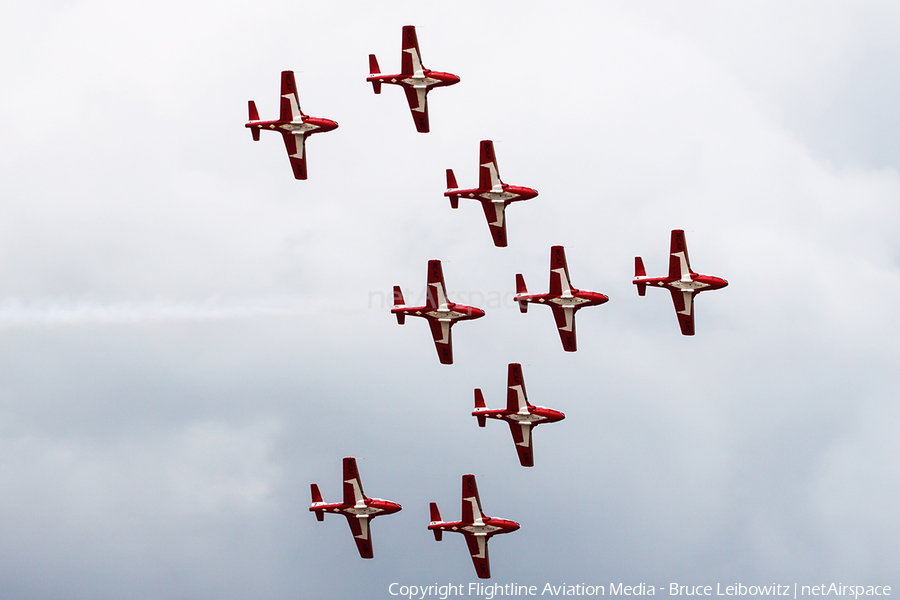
(479, 399)
(398, 301)
(452, 185)
(639, 271)
(520, 284)
(316, 494)
(451, 180)
(521, 289)
(374, 70)
(316, 498)
(254, 116)
(479, 403)
(435, 518)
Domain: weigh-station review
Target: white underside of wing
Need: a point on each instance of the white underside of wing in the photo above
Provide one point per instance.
(564, 281)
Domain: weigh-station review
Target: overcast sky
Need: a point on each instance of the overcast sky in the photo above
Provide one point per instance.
(189, 337)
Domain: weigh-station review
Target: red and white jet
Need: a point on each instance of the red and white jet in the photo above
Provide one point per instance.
(682, 282)
(293, 125)
(493, 194)
(522, 416)
(414, 78)
(440, 312)
(563, 299)
(474, 524)
(357, 507)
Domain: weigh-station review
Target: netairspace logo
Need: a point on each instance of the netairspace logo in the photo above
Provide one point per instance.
(776, 589)
(489, 591)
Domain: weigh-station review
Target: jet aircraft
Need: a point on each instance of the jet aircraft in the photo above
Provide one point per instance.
(493, 194)
(292, 124)
(521, 415)
(438, 310)
(563, 299)
(476, 526)
(682, 282)
(414, 78)
(357, 507)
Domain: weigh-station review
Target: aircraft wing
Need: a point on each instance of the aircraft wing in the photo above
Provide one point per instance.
(410, 57)
(679, 263)
(488, 172)
(471, 504)
(559, 272)
(684, 308)
(295, 143)
(521, 433)
(359, 527)
(353, 491)
(417, 98)
(495, 213)
(478, 548)
(565, 323)
(290, 101)
(440, 331)
(516, 398)
(436, 296)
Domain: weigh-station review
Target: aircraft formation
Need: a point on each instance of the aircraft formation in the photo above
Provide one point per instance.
(441, 313)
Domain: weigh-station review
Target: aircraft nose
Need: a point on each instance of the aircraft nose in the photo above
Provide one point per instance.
(329, 124)
(476, 312)
(722, 282)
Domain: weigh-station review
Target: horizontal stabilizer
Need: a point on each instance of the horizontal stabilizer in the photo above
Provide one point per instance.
(373, 66)
(642, 288)
(398, 296)
(438, 534)
(639, 270)
(316, 495)
(482, 420)
(401, 318)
